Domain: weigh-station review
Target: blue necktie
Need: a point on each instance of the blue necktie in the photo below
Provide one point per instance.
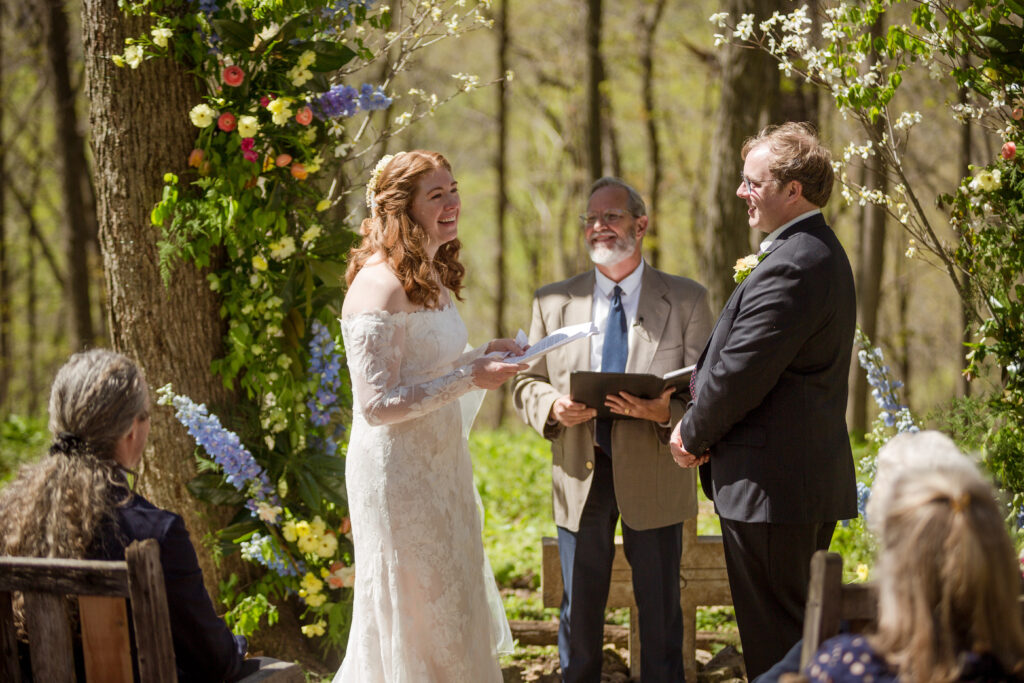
(613, 359)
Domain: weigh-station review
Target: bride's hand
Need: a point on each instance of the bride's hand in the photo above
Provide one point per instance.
(508, 346)
(489, 373)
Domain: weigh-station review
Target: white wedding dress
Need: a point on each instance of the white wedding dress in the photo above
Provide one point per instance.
(421, 611)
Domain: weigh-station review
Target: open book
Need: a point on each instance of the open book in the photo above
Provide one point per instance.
(591, 387)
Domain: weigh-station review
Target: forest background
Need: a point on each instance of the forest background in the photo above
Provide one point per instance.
(635, 89)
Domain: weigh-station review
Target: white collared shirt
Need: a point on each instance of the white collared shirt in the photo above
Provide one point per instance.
(766, 242)
(603, 287)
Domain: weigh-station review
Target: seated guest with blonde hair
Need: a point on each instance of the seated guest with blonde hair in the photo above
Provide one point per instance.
(76, 503)
(948, 576)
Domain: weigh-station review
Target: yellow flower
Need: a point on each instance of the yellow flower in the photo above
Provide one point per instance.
(311, 630)
(302, 528)
(299, 75)
(306, 59)
(311, 584)
(308, 544)
(862, 572)
(328, 545)
(321, 205)
(309, 137)
(288, 530)
(316, 600)
(202, 115)
(248, 126)
(280, 111)
(283, 248)
(259, 263)
(314, 165)
(118, 60)
(161, 36)
(133, 56)
(317, 526)
(312, 233)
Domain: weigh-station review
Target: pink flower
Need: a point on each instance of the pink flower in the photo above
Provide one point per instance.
(264, 101)
(226, 122)
(283, 160)
(1018, 113)
(195, 158)
(250, 155)
(1009, 150)
(233, 75)
(248, 144)
(304, 116)
(299, 171)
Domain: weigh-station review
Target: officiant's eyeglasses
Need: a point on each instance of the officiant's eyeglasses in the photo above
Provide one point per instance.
(611, 218)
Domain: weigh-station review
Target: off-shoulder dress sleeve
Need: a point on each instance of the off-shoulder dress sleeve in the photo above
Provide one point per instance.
(374, 346)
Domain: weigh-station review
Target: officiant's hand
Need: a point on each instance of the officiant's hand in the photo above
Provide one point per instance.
(569, 413)
(507, 346)
(683, 457)
(653, 409)
(490, 373)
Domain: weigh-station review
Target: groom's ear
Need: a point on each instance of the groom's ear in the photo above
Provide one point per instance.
(794, 190)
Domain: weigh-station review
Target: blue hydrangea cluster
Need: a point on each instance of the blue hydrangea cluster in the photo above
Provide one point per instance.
(863, 491)
(343, 9)
(240, 468)
(262, 549)
(344, 100)
(208, 7)
(325, 365)
(885, 391)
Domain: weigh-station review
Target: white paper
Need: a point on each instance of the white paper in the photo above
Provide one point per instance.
(556, 339)
(680, 371)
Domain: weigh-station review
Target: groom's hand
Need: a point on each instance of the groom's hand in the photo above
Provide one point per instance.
(569, 413)
(653, 409)
(683, 457)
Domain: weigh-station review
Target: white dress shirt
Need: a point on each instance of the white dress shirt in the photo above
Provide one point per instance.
(767, 241)
(603, 287)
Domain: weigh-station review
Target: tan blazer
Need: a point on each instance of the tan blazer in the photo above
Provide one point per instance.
(671, 328)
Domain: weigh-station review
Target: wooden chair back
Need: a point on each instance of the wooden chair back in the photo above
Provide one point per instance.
(101, 589)
(830, 602)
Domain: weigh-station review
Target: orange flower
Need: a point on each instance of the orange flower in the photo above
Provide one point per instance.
(195, 158)
(283, 160)
(227, 122)
(299, 171)
(304, 116)
(346, 526)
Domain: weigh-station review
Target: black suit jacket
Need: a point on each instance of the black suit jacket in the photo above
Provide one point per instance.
(771, 387)
(204, 648)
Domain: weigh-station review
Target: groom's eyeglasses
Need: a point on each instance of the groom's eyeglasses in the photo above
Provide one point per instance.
(751, 185)
(611, 218)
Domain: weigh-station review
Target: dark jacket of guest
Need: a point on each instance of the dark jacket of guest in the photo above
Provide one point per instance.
(204, 648)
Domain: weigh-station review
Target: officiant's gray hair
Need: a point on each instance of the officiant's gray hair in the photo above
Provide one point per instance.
(635, 205)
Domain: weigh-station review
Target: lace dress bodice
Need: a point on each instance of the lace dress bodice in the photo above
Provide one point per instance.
(420, 611)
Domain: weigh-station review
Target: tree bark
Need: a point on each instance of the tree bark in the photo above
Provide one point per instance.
(70, 149)
(870, 268)
(649, 25)
(595, 74)
(140, 130)
(966, 147)
(5, 292)
(501, 163)
(749, 83)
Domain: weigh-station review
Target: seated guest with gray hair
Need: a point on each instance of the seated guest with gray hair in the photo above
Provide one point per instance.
(77, 503)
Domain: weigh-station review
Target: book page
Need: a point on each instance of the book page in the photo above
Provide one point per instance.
(556, 339)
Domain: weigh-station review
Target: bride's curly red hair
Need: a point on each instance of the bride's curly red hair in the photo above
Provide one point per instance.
(393, 234)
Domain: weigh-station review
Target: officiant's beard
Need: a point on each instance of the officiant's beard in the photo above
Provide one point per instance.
(622, 249)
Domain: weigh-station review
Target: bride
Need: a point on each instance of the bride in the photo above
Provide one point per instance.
(421, 612)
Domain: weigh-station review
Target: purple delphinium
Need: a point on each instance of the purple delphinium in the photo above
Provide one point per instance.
(240, 467)
(325, 366)
(884, 389)
(373, 98)
(340, 100)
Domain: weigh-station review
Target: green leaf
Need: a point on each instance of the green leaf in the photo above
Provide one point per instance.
(233, 34)
(330, 56)
(211, 488)
(331, 273)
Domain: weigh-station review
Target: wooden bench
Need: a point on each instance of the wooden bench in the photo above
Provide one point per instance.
(101, 590)
(702, 581)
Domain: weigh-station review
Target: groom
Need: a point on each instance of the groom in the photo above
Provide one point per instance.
(768, 419)
(650, 322)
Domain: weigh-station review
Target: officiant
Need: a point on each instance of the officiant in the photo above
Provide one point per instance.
(649, 322)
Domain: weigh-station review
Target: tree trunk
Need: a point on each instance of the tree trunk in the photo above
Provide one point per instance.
(870, 267)
(69, 148)
(140, 130)
(501, 162)
(649, 25)
(749, 82)
(595, 74)
(5, 293)
(966, 146)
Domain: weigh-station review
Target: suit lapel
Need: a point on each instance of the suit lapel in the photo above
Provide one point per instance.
(651, 317)
(578, 308)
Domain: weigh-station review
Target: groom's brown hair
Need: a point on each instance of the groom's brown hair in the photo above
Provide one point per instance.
(798, 155)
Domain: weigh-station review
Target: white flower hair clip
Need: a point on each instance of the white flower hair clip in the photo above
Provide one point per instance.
(371, 184)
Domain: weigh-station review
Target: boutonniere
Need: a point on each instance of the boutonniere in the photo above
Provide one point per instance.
(746, 264)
